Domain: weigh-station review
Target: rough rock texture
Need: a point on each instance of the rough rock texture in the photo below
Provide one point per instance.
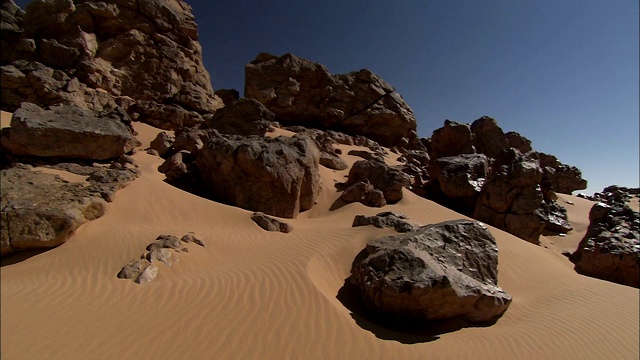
(97, 54)
(40, 210)
(270, 224)
(383, 177)
(441, 271)
(302, 92)
(610, 250)
(388, 219)
(64, 131)
(241, 117)
(277, 176)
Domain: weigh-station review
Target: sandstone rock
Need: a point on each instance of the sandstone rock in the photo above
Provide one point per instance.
(162, 143)
(277, 176)
(388, 219)
(133, 269)
(441, 271)
(194, 238)
(610, 250)
(383, 177)
(242, 117)
(67, 132)
(299, 91)
(270, 224)
(42, 210)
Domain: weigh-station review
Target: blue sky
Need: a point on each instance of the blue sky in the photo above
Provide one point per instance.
(563, 73)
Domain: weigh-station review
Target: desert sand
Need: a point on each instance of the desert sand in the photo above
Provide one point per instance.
(252, 294)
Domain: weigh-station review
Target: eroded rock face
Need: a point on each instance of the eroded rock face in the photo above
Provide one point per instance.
(610, 250)
(441, 271)
(96, 54)
(302, 92)
(40, 210)
(67, 132)
(277, 176)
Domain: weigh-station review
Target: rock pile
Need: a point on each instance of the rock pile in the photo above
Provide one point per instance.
(144, 269)
(437, 272)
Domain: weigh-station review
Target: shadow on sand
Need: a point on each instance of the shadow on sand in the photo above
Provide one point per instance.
(413, 333)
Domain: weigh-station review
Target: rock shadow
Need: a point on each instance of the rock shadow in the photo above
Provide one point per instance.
(385, 329)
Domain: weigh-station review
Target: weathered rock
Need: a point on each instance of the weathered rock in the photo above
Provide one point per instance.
(299, 91)
(461, 176)
(162, 143)
(383, 177)
(452, 139)
(42, 210)
(270, 224)
(277, 176)
(194, 238)
(67, 132)
(242, 117)
(441, 271)
(388, 219)
(133, 269)
(610, 250)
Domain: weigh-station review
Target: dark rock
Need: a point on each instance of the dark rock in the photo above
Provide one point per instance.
(387, 219)
(277, 176)
(269, 223)
(299, 91)
(441, 271)
(67, 132)
(242, 117)
(610, 250)
(383, 177)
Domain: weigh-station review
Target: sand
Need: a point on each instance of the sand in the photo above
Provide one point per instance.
(251, 294)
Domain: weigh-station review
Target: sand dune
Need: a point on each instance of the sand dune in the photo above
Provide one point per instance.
(251, 294)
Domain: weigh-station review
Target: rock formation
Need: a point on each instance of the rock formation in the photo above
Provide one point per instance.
(277, 176)
(610, 250)
(302, 92)
(96, 55)
(437, 272)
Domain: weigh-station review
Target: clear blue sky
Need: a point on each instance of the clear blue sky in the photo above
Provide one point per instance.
(563, 73)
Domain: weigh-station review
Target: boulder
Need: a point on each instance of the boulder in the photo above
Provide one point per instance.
(241, 117)
(383, 177)
(385, 219)
(442, 271)
(277, 176)
(302, 92)
(610, 250)
(270, 224)
(67, 132)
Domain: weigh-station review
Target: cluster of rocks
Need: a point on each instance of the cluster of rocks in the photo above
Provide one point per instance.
(141, 56)
(144, 269)
(436, 272)
(497, 178)
(610, 250)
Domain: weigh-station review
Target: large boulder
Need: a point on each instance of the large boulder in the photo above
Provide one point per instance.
(41, 210)
(382, 176)
(441, 271)
(610, 250)
(67, 132)
(277, 176)
(302, 92)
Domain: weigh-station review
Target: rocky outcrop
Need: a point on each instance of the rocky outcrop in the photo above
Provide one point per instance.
(381, 176)
(270, 224)
(437, 272)
(302, 92)
(67, 132)
(95, 55)
(610, 250)
(387, 219)
(40, 210)
(277, 176)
